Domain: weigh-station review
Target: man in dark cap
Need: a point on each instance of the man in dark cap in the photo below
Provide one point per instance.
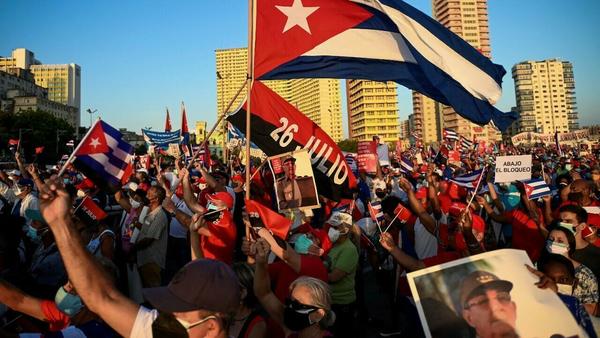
(288, 190)
(198, 302)
(487, 306)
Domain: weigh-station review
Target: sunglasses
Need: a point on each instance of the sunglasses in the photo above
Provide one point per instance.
(299, 307)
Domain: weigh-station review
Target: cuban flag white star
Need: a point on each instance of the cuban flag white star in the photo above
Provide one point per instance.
(95, 142)
(297, 15)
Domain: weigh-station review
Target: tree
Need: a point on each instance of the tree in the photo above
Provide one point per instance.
(348, 145)
(43, 129)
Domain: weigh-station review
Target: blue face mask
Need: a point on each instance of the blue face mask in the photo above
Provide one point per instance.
(66, 181)
(68, 303)
(302, 244)
(32, 233)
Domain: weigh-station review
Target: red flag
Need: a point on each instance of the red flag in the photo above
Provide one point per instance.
(39, 150)
(13, 142)
(278, 127)
(276, 223)
(184, 125)
(89, 211)
(94, 143)
(168, 122)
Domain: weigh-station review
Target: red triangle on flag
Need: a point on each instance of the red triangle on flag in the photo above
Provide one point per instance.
(94, 143)
(528, 189)
(276, 223)
(286, 29)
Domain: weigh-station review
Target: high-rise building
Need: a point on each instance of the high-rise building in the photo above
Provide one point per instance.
(372, 110)
(427, 118)
(20, 58)
(545, 92)
(62, 81)
(319, 99)
(404, 129)
(469, 20)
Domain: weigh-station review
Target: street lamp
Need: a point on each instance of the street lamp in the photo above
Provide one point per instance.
(91, 112)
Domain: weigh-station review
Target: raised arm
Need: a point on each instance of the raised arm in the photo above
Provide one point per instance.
(432, 193)
(262, 283)
(287, 254)
(488, 208)
(91, 283)
(406, 262)
(210, 180)
(123, 201)
(416, 206)
(20, 301)
(188, 194)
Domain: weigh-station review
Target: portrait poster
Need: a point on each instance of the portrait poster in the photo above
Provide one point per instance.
(294, 180)
(491, 294)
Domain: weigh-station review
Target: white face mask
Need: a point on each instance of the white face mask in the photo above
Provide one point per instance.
(202, 186)
(333, 234)
(557, 248)
(565, 289)
(80, 193)
(134, 204)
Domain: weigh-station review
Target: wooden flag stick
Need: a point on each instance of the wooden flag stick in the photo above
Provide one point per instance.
(251, 40)
(214, 127)
(72, 156)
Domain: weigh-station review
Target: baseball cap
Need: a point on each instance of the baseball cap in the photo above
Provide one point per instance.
(338, 218)
(203, 284)
(14, 173)
(143, 170)
(479, 281)
(131, 186)
(25, 182)
(223, 197)
(289, 159)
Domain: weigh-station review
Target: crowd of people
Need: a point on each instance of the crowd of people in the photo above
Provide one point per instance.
(180, 255)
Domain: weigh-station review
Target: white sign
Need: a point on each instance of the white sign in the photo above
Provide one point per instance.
(513, 168)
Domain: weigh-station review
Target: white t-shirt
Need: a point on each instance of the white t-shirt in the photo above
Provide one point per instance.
(142, 327)
(426, 243)
(176, 229)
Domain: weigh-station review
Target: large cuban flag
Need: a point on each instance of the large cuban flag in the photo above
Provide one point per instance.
(104, 157)
(379, 40)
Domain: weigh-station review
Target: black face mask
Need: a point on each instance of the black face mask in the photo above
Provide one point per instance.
(576, 197)
(296, 319)
(380, 194)
(166, 325)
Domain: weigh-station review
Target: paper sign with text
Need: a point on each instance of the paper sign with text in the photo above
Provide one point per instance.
(367, 157)
(513, 168)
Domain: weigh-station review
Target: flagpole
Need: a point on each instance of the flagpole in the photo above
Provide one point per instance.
(476, 187)
(251, 17)
(70, 159)
(214, 127)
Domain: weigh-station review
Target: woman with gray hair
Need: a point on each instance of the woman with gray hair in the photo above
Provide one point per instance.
(306, 312)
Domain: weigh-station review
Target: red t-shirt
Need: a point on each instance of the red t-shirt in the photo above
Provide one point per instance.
(282, 275)
(56, 319)
(526, 235)
(221, 244)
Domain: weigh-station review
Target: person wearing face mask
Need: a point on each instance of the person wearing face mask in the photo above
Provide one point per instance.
(151, 244)
(307, 309)
(178, 253)
(586, 253)
(26, 199)
(133, 204)
(561, 241)
(198, 302)
(341, 263)
(65, 313)
(560, 270)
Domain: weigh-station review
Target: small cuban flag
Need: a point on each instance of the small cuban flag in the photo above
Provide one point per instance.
(536, 188)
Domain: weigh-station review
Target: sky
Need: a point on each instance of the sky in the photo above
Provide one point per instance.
(138, 57)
